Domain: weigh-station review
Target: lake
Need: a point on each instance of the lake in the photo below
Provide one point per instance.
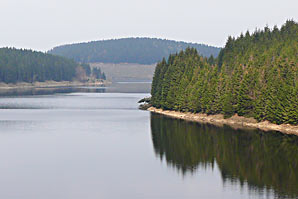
(74, 143)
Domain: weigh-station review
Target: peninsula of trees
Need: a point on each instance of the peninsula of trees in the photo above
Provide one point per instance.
(128, 50)
(30, 66)
(255, 75)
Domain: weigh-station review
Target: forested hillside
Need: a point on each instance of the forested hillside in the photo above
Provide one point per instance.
(128, 50)
(29, 66)
(255, 75)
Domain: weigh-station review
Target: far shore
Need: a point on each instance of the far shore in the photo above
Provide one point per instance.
(235, 121)
(49, 84)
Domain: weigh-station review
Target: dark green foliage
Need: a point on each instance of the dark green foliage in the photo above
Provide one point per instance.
(29, 66)
(87, 69)
(254, 75)
(97, 74)
(263, 161)
(128, 50)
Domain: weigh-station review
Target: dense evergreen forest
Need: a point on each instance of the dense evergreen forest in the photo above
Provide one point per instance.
(128, 50)
(255, 75)
(30, 66)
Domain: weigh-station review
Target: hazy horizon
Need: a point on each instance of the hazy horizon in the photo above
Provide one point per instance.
(43, 25)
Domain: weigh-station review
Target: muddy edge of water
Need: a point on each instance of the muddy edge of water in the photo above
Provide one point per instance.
(235, 121)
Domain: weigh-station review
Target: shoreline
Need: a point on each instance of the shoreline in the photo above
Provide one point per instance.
(49, 84)
(235, 121)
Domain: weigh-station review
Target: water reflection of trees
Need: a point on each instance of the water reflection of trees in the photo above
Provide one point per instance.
(50, 90)
(263, 160)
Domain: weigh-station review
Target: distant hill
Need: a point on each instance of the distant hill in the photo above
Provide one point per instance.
(126, 71)
(29, 66)
(128, 50)
(18, 65)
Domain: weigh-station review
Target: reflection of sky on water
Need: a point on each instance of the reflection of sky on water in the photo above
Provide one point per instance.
(99, 145)
(259, 164)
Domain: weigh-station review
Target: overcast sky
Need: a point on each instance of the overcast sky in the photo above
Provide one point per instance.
(43, 24)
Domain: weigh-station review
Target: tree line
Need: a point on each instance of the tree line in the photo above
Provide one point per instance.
(128, 50)
(19, 65)
(255, 75)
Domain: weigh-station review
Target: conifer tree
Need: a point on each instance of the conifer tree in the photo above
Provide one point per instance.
(255, 75)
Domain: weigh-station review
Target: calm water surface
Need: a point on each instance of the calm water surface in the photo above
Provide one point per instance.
(95, 143)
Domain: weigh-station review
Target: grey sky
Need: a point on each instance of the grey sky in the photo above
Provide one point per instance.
(43, 24)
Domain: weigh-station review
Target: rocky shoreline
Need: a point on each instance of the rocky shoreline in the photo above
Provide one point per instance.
(235, 121)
